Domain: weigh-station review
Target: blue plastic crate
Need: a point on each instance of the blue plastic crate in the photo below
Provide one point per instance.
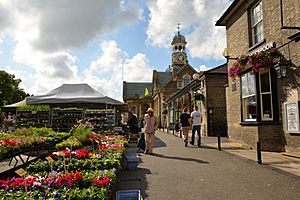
(129, 195)
(132, 157)
(132, 165)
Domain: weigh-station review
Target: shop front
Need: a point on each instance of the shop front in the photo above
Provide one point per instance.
(264, 76)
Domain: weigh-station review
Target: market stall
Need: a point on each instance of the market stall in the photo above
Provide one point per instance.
(71, 103)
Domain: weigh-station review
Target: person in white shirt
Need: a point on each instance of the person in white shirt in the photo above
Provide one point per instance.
(196, 126)
(150, 126)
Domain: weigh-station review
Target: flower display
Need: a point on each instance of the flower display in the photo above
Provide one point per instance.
(253, 62)
(87, 173)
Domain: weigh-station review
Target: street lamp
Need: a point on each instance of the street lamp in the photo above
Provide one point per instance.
(226, 54)
(281, 67)
(196, 76)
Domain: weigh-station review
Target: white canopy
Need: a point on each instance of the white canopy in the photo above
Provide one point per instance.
(15, 105)
(73, 94)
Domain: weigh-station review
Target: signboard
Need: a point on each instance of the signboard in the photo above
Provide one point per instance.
(292, 117)
(21, 172)
(49, 159)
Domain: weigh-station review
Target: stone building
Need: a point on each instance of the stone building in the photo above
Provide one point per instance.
(263, 100)
(176, 77)
(138, 97)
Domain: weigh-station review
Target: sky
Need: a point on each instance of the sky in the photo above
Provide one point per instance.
(103, 43)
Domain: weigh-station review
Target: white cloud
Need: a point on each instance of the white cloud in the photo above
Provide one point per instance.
(203, 68)
(72, 23)
(45, 31)
(105, 73)
(197, 18)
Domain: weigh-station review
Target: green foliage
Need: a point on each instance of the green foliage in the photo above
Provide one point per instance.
(9, 89)
(81, 132)
(71, 143)
(34, 107)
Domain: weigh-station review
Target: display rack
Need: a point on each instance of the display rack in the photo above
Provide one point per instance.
(27, 118)
(102, 120)
(65, 119)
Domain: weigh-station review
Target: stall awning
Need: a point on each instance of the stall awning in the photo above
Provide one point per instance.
(73, 94)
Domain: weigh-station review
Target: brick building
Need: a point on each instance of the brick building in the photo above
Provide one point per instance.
(207, 91)
(263, 100)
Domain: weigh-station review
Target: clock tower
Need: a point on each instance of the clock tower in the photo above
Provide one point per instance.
(179, 57)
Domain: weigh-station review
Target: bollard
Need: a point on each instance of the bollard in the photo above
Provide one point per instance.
(219, 142)
(259, 161)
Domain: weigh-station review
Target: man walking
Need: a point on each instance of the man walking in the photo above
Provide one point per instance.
(197, 119)
(150, 125)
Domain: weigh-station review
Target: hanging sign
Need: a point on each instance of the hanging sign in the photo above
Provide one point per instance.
(292, 117)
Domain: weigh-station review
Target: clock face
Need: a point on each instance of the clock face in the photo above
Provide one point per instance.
(180, 57)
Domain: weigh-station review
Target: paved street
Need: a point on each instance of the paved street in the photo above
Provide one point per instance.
(178, 172)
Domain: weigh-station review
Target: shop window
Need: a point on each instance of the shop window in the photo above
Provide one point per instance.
(257, 24)
(257, 99)
(266, 95)
(249, 97)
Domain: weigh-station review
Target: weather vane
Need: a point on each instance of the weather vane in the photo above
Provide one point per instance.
(178, 27)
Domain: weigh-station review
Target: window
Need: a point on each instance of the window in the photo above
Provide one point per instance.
(256, 24)
(179, 84)
(257, 99)
(249, 97)
(266, 95)
(186, 80)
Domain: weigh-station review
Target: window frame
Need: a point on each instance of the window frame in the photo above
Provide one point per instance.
(253, 25)
(264, 93)
(243, 107)
(184, 78)
(274, 100)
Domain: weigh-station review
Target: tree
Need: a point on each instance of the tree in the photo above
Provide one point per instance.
(9, 89)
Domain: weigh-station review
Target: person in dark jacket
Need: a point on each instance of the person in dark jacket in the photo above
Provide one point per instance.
(186, 123)
(133, 123)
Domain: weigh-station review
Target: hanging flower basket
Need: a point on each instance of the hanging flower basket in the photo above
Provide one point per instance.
(263, 59)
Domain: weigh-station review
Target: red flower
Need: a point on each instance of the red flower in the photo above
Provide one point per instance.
(82, 153)
(77, 176)
(103, 182)
(66, 152)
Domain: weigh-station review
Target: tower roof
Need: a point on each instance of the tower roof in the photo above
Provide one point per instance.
(178, 38)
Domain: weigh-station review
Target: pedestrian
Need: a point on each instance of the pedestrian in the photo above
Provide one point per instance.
(186, 122)
(196, 126)
(150, 126)
(133, 125)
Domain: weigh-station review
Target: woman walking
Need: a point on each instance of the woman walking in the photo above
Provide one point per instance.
(186, 122)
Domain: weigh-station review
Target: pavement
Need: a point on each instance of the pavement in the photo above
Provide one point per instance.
(288, 162)
(178, 172)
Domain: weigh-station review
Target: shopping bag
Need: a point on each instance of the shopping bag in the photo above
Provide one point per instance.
(141, 142)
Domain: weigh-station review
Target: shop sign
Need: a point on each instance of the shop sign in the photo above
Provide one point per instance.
(263, 48)
(292, 117)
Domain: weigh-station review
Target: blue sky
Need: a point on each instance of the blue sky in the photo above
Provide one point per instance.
(51, 42)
